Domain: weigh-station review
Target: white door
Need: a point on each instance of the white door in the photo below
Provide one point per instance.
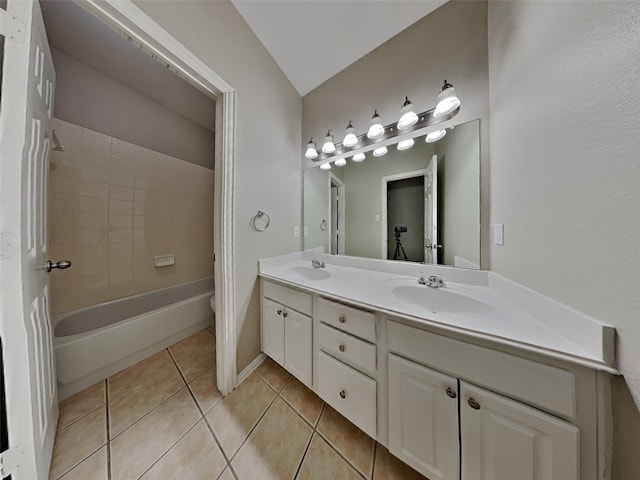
(504, 439)
(273, 330)
(334, 220)
(423, 419)
(25, 324)
(297, 345)
(431, 211)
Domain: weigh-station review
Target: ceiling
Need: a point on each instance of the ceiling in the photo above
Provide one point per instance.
(312, 40)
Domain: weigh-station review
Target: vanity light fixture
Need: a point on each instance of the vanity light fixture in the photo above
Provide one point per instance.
(328, 146)
(405, 144)
(325, 166)
(380, 152)
(350, 138)
(341, 162)
(448, 101)
(375, 127)
(358, 157)
(311, 152)
(435, 136)
(408, 117)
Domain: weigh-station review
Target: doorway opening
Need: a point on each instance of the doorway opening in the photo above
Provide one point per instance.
(405, 219)
(337, 216)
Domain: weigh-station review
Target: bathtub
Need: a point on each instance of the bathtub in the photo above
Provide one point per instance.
(93, 343)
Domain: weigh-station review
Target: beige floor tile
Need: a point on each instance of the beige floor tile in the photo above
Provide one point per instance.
(79, 440)
(307, 403)
(141, 399)
(388, 467)
(137, 373)
(233, 418)
(349, 440)
(141, 445)
(185, 347)
(322, 462)
(227, 475)
(197, 361)
(93, 468)
(275, 448)
(196, 456)
(78, 405)
(272, 373)
(205, 391)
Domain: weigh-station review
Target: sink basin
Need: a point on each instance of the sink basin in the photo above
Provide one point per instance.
(310, 273)
(439, 300)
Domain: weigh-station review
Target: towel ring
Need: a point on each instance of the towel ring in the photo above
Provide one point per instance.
(323, 225)
(257, 217)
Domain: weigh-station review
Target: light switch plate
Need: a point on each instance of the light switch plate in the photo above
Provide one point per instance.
(296, 231)
(498, 233)
(306, 231)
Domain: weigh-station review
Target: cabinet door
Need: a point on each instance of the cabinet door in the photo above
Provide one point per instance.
(297, 345)
(273, 330)
(504, 439)
(423, 419)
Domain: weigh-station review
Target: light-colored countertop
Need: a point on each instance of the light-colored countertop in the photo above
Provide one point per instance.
(476, 304)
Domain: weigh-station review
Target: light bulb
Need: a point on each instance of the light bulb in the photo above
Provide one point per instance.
(350, 139)
(311, 152)
(405, 144)
(375, 128)
(325, 166)
(328, 146)
(435, 136)
(408, 117)
(379, 152)
(447, 101)
(341, 162)
(358, 157)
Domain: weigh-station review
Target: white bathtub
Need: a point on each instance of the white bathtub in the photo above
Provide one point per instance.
(93, 343)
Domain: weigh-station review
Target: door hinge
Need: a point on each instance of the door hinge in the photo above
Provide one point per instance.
(10, 461)
(11, 27)
(7, 245)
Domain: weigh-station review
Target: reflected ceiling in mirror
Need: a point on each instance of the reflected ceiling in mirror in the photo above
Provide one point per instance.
(417, 203)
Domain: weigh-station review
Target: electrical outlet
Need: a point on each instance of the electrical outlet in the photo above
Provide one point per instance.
(498, 233)
(296, 231)
(306, 231)
(377, 218)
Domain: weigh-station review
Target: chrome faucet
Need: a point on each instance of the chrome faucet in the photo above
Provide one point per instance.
(315, 263)
(433, 281)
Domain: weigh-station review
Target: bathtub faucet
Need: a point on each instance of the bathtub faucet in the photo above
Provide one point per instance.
(315, 263)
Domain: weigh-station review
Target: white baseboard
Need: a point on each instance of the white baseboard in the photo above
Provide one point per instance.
(242, 376)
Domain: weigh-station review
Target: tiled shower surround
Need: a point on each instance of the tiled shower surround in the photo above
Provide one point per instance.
(113, 207)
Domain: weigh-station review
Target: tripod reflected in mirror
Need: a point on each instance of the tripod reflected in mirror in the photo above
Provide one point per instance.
(399, 248)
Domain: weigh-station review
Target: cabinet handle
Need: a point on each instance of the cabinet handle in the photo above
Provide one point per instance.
(473, 403)
(451, 392)
(280, 312)
(343, 394)
(285, 314)
(341, 348)
(342, 319)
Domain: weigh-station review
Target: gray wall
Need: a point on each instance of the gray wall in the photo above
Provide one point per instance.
(565, 170)
(268, 145)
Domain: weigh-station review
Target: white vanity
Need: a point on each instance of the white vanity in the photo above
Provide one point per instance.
(478, 379)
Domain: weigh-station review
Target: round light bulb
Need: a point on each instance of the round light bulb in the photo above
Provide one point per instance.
(325, 166)
(341, 162)
(350, 138)
(375, 127)
(311, 152)
(448, 101)
(328, 146)
(358, 157)
(408, 117)
(379, 152)
(405, 144)
(435, 136)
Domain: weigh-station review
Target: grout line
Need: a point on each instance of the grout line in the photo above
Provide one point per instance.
(106, 392)
(375, 454)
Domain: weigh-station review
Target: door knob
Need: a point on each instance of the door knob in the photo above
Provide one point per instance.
(473, 403)
(433, 245)
(62, 264)
(451, 392)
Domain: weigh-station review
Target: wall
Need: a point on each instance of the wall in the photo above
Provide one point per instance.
(452, 42)
(268, 145)
(114, 206)
(565, 170)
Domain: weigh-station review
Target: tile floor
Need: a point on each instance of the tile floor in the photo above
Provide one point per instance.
(163, 418)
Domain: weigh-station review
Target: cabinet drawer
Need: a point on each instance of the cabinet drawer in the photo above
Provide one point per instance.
(360, 323)
(287, 296)
(547, 387)
(348, 391)
(348, 348)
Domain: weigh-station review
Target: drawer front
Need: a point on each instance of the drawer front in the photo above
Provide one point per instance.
(348, 348)
(287, 296)
(348, 391)
(547, 387)
(359, 323)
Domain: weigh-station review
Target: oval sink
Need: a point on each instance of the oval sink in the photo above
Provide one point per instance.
(310, 273)
(437, 300)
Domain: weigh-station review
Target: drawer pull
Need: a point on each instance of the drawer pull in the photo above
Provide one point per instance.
(341, 348)
(280, 312)
(343, 394)
(452, 393)
(342, 319)
(473, 403)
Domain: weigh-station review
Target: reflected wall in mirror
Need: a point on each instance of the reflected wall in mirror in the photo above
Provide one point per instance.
(419, 205)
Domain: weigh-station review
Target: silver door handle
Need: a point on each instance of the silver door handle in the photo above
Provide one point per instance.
(62, 264)
(433, 245)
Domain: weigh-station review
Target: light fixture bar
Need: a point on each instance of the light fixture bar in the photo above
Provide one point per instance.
(425, 119)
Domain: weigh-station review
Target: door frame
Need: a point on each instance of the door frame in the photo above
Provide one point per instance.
(340, 185)
(125, 16)
(385, 180)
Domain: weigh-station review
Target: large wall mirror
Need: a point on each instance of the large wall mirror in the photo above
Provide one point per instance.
(420, 205)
